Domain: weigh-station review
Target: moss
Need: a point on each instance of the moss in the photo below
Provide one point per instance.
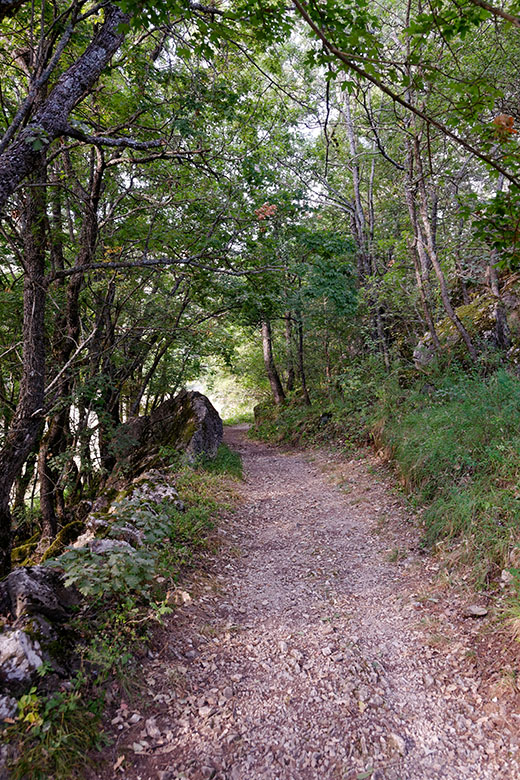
(23, 551)
(67, 534)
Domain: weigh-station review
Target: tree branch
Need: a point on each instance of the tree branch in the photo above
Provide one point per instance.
(162, 262)
(497, 12)
(51, 120)
(340, 55)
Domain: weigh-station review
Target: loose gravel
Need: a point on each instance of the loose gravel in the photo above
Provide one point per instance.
(317, 646)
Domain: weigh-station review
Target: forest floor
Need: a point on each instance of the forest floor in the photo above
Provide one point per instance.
(321, 643)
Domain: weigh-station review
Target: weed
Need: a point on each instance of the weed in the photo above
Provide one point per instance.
(397, 554)
(53, 736)
(124, 593)
(226, 461)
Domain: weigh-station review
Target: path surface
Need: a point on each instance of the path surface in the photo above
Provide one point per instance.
(315, 648)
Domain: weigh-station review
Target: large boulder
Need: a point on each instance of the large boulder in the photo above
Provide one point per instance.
(188, 423)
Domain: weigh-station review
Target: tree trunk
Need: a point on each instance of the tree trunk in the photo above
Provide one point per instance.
(502, 332)
(417, 253)
(289, 352)
(28, 419)
(57, 438)
(270, 367)
(301, 362)
(432, 253)
(51, 120)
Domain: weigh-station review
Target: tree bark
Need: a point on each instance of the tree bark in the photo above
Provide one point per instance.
(432, 253)
(417, 252)
(502, 332)
(301, 363)
(57, 438)
(270, 367)
(51, 119)
(289, 352)
(28, 419)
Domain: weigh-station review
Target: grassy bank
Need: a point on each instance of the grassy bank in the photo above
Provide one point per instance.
(454, 439)
(126, 601)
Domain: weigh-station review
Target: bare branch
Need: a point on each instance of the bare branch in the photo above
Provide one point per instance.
(348, 61)
(162, 262)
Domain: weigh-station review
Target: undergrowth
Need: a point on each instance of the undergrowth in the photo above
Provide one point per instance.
(342, 415)
(458, 450)
(126, 595)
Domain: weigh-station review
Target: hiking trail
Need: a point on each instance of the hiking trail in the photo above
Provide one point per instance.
(318, 645)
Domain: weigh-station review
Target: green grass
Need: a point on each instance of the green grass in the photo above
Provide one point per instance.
(460, 453)
(226, 462)
(238, 417)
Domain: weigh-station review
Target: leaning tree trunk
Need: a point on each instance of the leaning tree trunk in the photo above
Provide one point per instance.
(270, 367)
(51, 120)
(28, 419)
(427, 229)
(289, 352)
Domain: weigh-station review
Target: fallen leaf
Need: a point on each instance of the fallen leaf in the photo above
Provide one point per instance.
(118, 762)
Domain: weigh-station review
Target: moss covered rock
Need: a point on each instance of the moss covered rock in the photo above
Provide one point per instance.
(188, 423)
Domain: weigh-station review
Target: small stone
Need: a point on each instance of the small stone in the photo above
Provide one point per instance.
(326, 651)
(475, 611)
(135, 718)
(137, 747)
(151, 729)
(205, 712)
(228, 692)
(399, 743)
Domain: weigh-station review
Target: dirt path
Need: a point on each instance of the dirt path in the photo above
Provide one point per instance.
(316, 650)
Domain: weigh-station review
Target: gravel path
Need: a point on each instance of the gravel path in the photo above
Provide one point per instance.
(316, 648)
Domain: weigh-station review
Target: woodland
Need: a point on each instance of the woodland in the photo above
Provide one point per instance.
(312, 206)
(306, 207)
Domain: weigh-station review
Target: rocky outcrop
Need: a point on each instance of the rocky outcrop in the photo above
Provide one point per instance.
(35, 604)
(188, 423)
(36, 590)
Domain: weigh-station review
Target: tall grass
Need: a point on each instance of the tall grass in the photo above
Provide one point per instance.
(460, 453)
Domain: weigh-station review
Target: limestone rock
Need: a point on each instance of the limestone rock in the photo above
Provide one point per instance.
(8, 707)
(36, 590)
(102, 546)
(475, 611)
(20, 656)
(188, 423)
